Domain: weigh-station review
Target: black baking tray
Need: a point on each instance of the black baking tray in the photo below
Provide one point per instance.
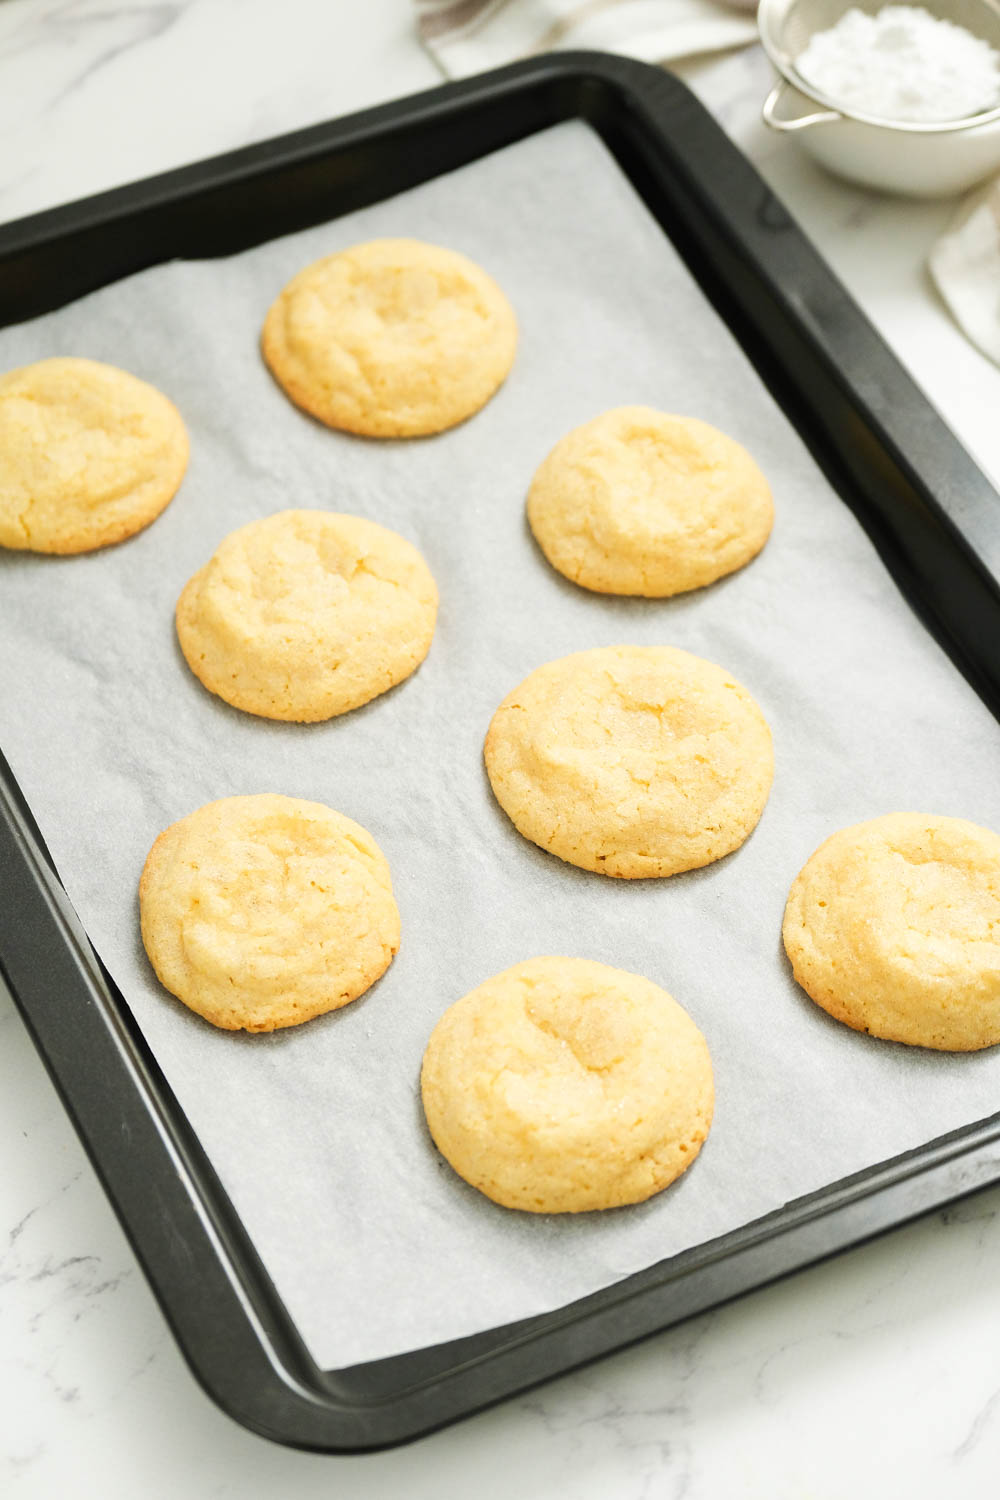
(887, 453)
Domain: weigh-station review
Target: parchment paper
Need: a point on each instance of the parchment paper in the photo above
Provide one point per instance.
(317, 1133)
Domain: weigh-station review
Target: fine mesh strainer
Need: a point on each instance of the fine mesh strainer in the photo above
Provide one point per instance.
(924, 159)
(786, 27)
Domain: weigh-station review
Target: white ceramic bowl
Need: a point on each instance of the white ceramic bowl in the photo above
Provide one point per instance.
(921, 160)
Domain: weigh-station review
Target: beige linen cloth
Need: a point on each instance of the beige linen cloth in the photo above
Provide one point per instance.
(469, 36)
(965, 265)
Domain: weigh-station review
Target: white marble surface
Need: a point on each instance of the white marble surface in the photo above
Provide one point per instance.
(877, 1374)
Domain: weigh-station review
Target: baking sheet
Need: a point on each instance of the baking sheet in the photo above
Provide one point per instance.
(317, 1134)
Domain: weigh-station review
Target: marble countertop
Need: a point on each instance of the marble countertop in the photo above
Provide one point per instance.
(875, 1374)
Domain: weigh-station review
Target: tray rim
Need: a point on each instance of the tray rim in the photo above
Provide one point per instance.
(227, 1318)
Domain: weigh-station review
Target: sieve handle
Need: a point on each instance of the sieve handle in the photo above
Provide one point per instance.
(793, 121)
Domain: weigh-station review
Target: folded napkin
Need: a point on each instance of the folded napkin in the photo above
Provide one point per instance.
(469, 36)
(965, 265)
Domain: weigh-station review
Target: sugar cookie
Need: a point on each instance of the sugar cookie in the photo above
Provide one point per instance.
(563, 1085)
(893, 926)
(260, 912)
(393, 338)
(631, 760)
(307, 614)
(88, 455)
(639, 502)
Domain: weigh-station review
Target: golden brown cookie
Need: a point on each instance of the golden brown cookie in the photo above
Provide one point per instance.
(88, 455)
(893, 926)
(639, 502)
(563, 1085)
(307, 614)
(631, 760)
(393, 338)
(260, 912)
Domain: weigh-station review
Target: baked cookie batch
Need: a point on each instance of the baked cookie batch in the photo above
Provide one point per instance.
(560, 1085)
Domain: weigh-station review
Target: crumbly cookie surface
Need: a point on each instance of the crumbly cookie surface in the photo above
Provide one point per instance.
(631, 761)
(89, 455)
(641, 502)
(392, 338)
(563, 1085)
(264, 911)
(307, 614)
(893, 926)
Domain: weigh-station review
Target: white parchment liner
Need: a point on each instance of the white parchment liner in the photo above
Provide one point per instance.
(375, 1245)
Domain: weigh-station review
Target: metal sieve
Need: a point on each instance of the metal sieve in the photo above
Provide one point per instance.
(786, 27)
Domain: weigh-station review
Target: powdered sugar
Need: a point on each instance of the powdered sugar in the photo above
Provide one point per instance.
(902, 64)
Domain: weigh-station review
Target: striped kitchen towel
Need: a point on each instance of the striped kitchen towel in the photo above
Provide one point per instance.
(469, 36)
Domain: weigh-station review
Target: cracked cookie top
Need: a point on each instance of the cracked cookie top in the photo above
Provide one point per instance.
(893, 927)
(393, 338)
(89, 455)
(641, 502)
(631, 760)
(307, 614)
(563, 1085)
(265, 911)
